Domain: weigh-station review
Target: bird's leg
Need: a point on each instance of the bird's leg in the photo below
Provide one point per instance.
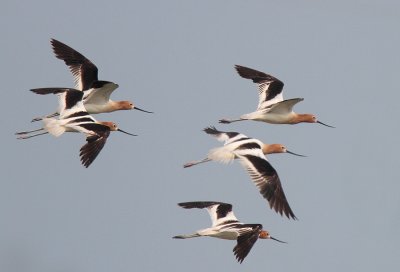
(25, 136)
(46, 116)
(189, 164)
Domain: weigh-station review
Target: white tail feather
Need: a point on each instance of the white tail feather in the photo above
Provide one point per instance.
(220, 154)
(53, 126)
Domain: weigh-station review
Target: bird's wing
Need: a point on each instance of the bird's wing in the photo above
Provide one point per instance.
(94, 145)
(285, 106)
(99, 93)
(267, 180)
(219, 212)
(82, 69)
(246, 241)
(269, 87)
(51, 90)
(226, 137)
(70, 102)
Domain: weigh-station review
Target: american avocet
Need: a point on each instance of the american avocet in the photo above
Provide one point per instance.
(251, 155)
(225, 225)
(97, 92)
(271, 106)
(75, 118)
(231, 140)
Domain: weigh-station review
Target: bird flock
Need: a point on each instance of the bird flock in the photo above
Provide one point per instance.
(92, 96)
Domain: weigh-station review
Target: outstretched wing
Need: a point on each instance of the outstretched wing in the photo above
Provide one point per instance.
(226, 137)
(269, 87)
(82, 69)
(51, 90)
(285, 106)
(70, 102)
(219, 212)
(100, 92)
(94, 145)
(246, 241)
(267, 180)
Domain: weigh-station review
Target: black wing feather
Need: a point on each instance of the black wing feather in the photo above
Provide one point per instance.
(202, 204)
(78, 64)
(55, 90)
(92, 148)
(245, 242)
(275, 86)
(269, 184)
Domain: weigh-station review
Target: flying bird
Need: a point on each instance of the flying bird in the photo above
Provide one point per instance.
(225, 225)
(250, 153)
(229, 138)
(271, 106)
(75, 118)
(96, 92)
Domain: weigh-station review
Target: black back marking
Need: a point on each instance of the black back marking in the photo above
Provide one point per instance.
(72, 98)
(83, 119)
(77, 114)
(223, 209)
(250, 145)
(95, 127)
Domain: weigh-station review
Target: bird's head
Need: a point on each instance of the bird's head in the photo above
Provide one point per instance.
(114, 127)
(277, 148)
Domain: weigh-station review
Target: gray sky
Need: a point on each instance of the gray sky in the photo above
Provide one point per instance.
(176, 58)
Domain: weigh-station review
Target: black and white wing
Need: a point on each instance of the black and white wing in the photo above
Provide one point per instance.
(51, 90)
(269, 88)
(70, 103)
(219, 212)
(246, 241)
(267, 180)
(82, 69)
(226, 137)
(94, 145)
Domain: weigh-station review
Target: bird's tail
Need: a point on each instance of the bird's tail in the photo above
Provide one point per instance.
(53, 126)
(185, 236)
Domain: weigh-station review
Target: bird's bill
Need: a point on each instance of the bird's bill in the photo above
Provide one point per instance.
(319, 122)
(290, 152)
(136, 108)
(126, 132)
(277, 240)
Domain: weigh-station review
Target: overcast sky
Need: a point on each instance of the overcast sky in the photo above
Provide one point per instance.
(176, 58)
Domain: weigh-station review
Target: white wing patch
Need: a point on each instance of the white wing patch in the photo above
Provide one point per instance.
(284, 107)
(101, 95)
(266, 103)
